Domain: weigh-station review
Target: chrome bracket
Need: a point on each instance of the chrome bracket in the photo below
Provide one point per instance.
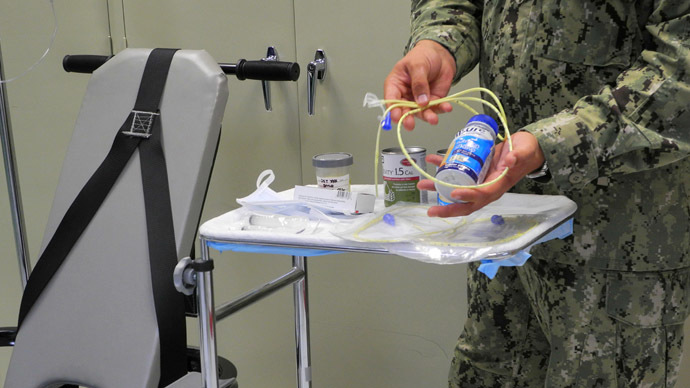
(271, 55)
(316, 70)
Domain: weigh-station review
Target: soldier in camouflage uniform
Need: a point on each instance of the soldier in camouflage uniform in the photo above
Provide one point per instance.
(600, 91)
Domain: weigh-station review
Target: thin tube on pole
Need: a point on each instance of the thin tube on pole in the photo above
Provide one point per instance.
(15, 197)
(301, 298)
(207, 324)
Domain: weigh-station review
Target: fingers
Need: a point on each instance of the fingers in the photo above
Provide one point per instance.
(434, 159)
(430, 115)
(445, 107)
(525, 157)
(479, 196)
(473, 198)
(508, 161)
(396, 87)
(408, 123)
(431, 70)
(419, 82)
(452, 210)
(426, 184)
(397, 114)
(423, 75)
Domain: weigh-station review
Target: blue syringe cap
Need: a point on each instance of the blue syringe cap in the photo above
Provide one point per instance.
(486, 119)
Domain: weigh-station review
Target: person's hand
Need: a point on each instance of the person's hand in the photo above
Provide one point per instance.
(424, 74)
(525, 157)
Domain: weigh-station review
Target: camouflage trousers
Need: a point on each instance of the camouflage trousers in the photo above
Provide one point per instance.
(553, 325)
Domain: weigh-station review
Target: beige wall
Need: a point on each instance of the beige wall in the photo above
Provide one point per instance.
(377, 321)
(43, 108)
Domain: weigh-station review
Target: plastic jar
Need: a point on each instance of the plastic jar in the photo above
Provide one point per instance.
(333, 170)
(469, 156)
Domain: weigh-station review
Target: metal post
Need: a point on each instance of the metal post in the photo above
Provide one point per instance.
(13, 183)
(302, 325)
(207, 323)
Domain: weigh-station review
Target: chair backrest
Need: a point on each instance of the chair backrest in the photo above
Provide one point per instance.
(95, 323)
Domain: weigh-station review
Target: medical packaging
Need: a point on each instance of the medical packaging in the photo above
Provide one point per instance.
(345, 202)
(499, 234)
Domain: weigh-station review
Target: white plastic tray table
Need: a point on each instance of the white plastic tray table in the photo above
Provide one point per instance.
(222, 233)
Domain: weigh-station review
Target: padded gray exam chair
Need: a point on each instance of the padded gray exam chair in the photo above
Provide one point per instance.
(94, 323)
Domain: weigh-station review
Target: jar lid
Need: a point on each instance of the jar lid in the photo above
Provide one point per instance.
(486, 119)
(333, 159)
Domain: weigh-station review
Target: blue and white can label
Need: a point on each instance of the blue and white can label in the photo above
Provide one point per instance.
(468, 155)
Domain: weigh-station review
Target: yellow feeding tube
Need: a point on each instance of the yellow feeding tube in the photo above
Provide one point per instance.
(457, 98)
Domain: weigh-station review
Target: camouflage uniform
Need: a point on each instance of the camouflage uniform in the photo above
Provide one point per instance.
(604, 85)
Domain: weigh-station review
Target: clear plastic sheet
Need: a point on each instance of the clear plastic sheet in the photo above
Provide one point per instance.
(497, 231)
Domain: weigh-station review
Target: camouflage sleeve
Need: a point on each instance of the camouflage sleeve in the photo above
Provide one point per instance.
(455, 24)
(640, 123)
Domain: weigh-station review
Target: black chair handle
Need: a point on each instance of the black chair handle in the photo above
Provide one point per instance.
(243, 69)
(7, 336)
(83, 63)
(263, 70)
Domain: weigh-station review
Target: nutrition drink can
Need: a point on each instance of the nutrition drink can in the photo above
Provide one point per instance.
(439, 200)
(400, 178)
(468, 157)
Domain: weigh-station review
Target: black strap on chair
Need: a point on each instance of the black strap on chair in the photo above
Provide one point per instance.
(142, 130)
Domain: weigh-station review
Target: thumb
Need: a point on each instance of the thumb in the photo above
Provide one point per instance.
(419, 81)
(509, 160)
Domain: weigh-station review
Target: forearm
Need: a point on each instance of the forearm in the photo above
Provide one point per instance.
(642, 122)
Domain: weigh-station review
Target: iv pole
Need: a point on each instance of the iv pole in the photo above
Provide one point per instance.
(13, 182)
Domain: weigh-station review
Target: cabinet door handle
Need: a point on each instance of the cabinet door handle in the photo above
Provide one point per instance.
(316, 70)
(271, 55)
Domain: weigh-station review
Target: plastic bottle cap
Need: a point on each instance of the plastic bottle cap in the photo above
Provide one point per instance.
(497, 220)
(386, 122)
(486, 119)
(333, 159)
